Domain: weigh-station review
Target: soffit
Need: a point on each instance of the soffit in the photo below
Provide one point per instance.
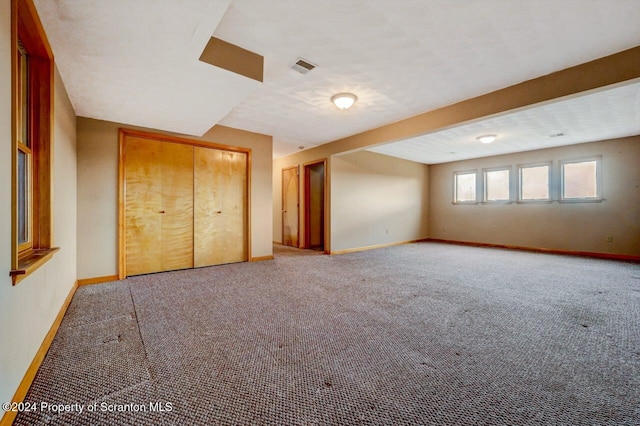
(136, 62)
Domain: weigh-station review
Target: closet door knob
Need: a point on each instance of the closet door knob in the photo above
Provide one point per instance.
(161, 212)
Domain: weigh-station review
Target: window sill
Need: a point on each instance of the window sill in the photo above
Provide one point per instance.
(497, 202)
(581, 200)
(535, 201)
(30, 263)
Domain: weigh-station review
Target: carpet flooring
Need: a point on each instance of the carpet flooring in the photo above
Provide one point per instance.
(417, 334)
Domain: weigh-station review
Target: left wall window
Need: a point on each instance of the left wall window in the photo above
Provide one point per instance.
(24, 178)
(32, 98)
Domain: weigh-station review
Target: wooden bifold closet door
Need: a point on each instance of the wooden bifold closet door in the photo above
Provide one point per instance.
(185, 206)
(220, 194)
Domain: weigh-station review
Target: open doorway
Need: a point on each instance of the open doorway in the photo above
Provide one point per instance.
(290, 205)
(314, 210)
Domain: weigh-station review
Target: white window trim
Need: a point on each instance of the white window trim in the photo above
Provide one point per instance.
(484, 185)
(549, 200)
(455, 185)
(598, 198)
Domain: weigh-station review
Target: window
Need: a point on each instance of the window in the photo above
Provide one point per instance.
(465, 187)
(580, 179)
(497, 185)
(534, 182)
(32, 88)
(24, 181)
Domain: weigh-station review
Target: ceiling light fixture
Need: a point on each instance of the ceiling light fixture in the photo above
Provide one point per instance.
(344, 100)
(487, 138)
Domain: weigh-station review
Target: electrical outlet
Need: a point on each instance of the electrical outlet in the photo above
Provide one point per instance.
(609, 238)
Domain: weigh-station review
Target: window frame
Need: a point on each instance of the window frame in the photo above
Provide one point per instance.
(24, 144)
(455, 186)
(549, 198)
(485, 186)
(598, 197)
(27, 30)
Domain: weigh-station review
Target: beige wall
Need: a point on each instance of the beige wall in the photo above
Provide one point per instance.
(377, 200)
(28, 309)
(573, 227)
(98, 191)
(391, 193)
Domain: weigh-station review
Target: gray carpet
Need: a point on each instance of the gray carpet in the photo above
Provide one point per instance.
(411, 335)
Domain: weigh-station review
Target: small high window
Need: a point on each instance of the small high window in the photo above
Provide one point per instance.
(580, 179)
(465, 187)
(534, 182)
(497, 185)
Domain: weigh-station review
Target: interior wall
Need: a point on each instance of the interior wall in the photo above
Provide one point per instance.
(98, 191)
(559, 226)
(377, 200)
(28, 309)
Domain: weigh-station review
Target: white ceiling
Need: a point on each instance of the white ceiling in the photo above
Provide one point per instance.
(135, 62)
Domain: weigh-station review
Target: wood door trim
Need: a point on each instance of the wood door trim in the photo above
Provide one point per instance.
(121, 205)
(306, 204)
(247, 203)
(297, 169)
(176, 139)
(123, 133)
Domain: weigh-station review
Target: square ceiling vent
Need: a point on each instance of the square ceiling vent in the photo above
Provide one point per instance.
(302, 66)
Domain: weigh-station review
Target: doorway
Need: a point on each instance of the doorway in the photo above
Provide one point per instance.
(314, 192)
(290, 207)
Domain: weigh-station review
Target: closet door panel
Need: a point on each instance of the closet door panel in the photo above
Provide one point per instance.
(143, 203)
(220, 207)
(208, 223)
(177, 206)
(234, 167)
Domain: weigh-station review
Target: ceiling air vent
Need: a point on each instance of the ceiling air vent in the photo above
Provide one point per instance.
(302, 66)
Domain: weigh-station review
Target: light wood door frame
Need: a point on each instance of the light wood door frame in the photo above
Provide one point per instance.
(122, 137)
(284, 206)
(307, 211)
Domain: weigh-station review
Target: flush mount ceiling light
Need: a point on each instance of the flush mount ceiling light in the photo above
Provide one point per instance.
(487, 138)
(344, 100)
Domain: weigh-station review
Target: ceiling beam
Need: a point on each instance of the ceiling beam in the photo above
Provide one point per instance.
(610, 70)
